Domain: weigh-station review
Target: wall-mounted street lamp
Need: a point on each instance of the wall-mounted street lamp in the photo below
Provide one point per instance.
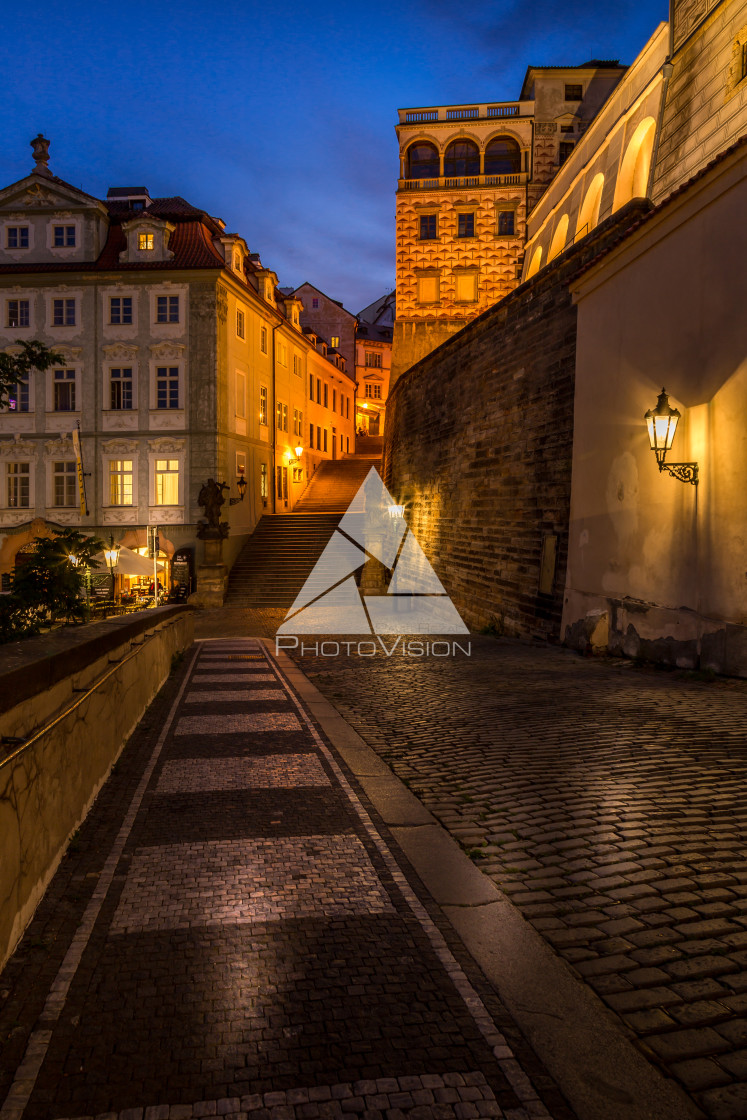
(662, 424)
(241, 487)
(396, 511)
(112, 556)
(299, 453)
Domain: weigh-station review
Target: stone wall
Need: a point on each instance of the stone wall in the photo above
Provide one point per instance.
(72, 699)
(478, 446)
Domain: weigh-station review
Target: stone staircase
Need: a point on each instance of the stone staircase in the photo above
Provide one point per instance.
(273, 565)
(335, 484)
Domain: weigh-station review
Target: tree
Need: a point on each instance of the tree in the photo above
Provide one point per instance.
(51, 581)
(16, 367)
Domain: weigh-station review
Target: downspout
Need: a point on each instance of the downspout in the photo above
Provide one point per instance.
(274, 426)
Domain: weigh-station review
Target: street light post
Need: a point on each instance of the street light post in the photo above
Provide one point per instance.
(112, 555)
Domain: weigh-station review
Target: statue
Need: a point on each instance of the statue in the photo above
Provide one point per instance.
(211, 499)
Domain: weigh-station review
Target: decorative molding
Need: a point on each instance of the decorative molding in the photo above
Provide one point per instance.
(167, 350)
(546, 128)
(62, 518)
(167, 418)
(127, 515)
(164, 445)
(166, 515)
(17, 446)
(119, 446)
(63, 445)
(125, 420)
(37, 196)
(120, 350)
(72, 353)
(13, 517)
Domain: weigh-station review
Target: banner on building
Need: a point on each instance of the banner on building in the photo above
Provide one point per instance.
(81, 476)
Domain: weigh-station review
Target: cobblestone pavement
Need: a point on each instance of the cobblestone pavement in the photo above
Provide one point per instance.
(234, 932)
(609, 803)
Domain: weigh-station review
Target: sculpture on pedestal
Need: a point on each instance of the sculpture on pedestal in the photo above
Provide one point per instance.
(210, 527)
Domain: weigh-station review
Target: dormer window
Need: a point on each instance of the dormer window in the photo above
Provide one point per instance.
(237, 261)
(145, 241)
(63, 237)
(18, 237)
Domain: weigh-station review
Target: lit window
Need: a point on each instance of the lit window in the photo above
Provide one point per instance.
(240, 394)
(17, 313)
(18, 237)
(466, 287)
(262, 404)
(167, 309)
(428, 227)
(240, 323)
(282, 353)
(506, 223)
(167, 482)
(465, 225)
(120, 482)
(145, 241)
(167, 387)
(18, 485)
(63, 390)
(65, 483)
(120, 309)
(334, 341)
(18, 400)
(574, 93)
(64, 237)
(282, 416)
(63, 312)
(263, 480)
(120, 388)
(263, 339)
(373, 359)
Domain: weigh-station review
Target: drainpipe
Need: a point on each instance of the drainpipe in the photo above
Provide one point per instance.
(274, 426)
(666, 71)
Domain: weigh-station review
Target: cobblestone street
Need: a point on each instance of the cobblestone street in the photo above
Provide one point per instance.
(609, 803)
(235, 931)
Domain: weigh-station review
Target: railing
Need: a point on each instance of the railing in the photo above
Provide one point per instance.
(450, 184)
(466, 112)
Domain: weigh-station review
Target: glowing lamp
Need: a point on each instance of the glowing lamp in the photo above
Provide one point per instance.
(396, 511)
(241, 485)
(662, 424)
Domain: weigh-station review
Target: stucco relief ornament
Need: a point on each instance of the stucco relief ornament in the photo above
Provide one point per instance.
(210, 527)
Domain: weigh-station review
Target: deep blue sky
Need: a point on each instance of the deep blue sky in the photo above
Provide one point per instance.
(277, 118)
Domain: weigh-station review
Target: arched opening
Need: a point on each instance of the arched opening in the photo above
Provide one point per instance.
(536, 262)
(462, 157)
(632, 178)
(589, 215)
(502, 157)
(422, 161)
(558, 239)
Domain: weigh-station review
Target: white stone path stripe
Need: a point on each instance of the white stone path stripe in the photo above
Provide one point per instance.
(236, 723)
(206, 884)
(271, 771)
(36, 1050)
(503, 1053)
(233, 678)
(233, 696)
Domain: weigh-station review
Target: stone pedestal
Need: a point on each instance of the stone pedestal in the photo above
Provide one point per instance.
(212, 577)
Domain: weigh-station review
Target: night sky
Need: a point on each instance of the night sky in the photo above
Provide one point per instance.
(277, 118)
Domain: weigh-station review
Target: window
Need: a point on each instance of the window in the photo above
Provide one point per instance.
(334, 400)
(506, 226)
(502, 157)
(564, 150)
(167, 482)
(466, 287)
(145, 241)
(428, 227)
(240, 323)
(120, 309)
(422, 161)
(743, 68)
(18, 399)
(63, 312)
(281, 411)
(428, 289)
(240, 394)
(326, 395)
(63, 237)
(465, 225)
(574, 92)
(18, 485)
(263, 339)
(167, 309)
(462, 157)
(566, 128)
(65, 477)
(297, 365)
(237, 262)
(167, 387)
(120, 482)
(63, 388)
(263, 404)
(373, 359)
(18, 237)
(374, 391)
(311, 435)
(120, 388)
(347, 408)
(263, 481)
(318, 438)
(314, 302)
(318, 390)
(17, 313)
(334, 341)
(297, 423)
(325, 439)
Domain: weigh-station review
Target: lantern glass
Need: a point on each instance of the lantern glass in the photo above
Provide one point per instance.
(662, 424)
(298, 451)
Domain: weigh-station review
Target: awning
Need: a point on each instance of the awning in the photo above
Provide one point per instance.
(129, 563)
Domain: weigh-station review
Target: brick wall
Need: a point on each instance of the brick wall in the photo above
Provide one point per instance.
(478, 445)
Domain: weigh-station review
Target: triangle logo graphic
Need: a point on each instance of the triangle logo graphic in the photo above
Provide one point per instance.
(330, 602)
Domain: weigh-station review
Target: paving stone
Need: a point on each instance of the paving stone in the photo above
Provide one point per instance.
(700, 1073)
(694, 1043)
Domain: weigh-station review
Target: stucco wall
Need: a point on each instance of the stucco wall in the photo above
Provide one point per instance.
(663, 564)
(47, 787)
(478, 446)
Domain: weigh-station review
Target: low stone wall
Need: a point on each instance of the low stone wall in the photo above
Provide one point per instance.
(73, 699)
(478, 446)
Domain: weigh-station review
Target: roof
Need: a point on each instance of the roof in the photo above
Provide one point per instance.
(371, 313)
(306, 284)
(592, 64)
(124, 192)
